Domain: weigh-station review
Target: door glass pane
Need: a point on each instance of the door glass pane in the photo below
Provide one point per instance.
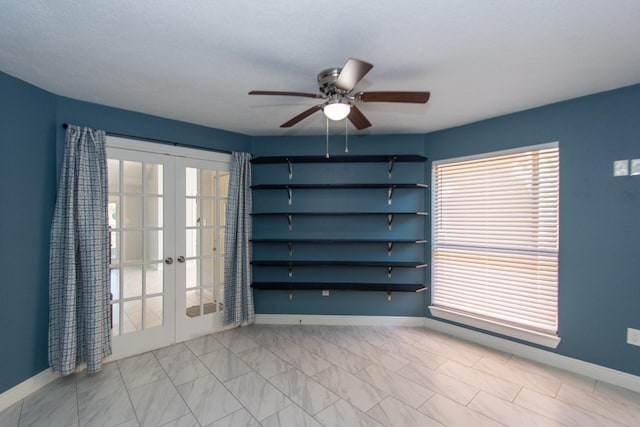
(193, 303)
(114, 211)
(132, 316)
(208, 212)
(153, 312)
(131, 281)
(192, 242)
(192, 273)
(208, 303)
(192, 213)
(208, 183)
(192, 181)
(132, 211)
(153, 245)
(153, 216)
(222, 212)
(220, 245)
(153, 178)
(208, 242)
(115, 283)
(132, 246)
(115, 247)
(208, 272)
(115, 318)
(153, 275)
(132, 172)
(113, 166)
(223, 184)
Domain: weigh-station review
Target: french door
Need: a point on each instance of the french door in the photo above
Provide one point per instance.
(166, 211)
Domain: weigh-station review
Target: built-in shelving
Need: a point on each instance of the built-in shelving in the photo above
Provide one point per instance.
(325, 244)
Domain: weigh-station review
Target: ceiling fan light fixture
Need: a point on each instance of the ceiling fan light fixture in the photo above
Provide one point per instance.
(336, 110)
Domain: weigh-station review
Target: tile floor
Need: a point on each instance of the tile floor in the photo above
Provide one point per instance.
(326, 376)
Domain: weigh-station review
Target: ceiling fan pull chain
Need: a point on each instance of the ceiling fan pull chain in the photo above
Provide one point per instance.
(346, 136)
(327, 155)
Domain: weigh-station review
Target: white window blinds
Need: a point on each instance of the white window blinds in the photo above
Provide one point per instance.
(495, 237)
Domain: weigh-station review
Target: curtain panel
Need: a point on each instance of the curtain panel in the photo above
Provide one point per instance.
(238, 296)
(79, 317)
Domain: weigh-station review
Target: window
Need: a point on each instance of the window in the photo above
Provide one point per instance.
(495, 242)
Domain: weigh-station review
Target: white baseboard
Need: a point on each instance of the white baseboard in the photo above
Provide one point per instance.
(312, 319)
(25, 388)
(580, 367)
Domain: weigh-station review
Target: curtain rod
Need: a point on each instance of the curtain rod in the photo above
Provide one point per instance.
(161, 141)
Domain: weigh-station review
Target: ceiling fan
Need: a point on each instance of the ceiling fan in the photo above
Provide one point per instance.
(336, 86)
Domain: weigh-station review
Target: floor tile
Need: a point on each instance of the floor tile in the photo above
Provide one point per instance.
(258, 396)
(630, 398)
(492, 384)
(395, 385)
(342, 414)
(392, 412)
(10, 416)
(450, 413)
(514, 374)
(224, 364)
(235, 340)
(263, 361)
(183, 367)
(208, 399)
(508, 413)
(108, 405)
(359, 393)
(291, 416)
(565, 377)
(184, 421)
(414, 354)
(54, 404)
(205, 344)
(239, 418)
(157, 403)
(140, 370)
(170, 350)
(303, 390)
(303, 359)
(378, 356)
(560, 411)
(340, 357)
(438, 382)
(618, 410)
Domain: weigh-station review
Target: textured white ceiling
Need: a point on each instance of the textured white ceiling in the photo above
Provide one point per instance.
(196, 60)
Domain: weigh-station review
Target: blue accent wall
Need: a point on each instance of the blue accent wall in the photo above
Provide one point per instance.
(599, 260)
(32, 140)
(340, 302)
(27, 191)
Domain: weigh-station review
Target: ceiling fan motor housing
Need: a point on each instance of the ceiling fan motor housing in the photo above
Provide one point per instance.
(327, 79)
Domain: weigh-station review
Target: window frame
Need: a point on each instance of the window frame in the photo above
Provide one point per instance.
(521, 332)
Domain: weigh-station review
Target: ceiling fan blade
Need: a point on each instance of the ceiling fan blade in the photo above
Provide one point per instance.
(301, 116)
(409, 97)
(358, 119)
(280, 93)
(352, 72)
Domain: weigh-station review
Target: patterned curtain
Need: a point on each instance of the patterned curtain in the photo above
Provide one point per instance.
(238, 296)
(79, 318)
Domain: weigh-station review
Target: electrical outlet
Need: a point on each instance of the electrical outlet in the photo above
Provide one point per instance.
(325, 293)
(633, 336)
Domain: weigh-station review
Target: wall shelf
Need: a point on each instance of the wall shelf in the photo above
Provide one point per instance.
(319, 265)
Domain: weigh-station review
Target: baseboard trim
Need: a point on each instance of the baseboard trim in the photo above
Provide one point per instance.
(312, 319)
(580, 367)
(25, 388)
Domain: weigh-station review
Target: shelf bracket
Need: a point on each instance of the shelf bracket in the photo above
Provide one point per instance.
(390, 221)
(390, 197)
(290, 195)
(389, 248)
(290, 166)
(290, 221)
(290, 268)
(388, 295)
(290, 245)
(393, 159)
(389, 272)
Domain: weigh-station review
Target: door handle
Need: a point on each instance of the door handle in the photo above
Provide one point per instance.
(181, 259)
(168, 260)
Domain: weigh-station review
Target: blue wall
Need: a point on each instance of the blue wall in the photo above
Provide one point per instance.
(32, 148)
(27, 191)
(339, 302)
(599, 260)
